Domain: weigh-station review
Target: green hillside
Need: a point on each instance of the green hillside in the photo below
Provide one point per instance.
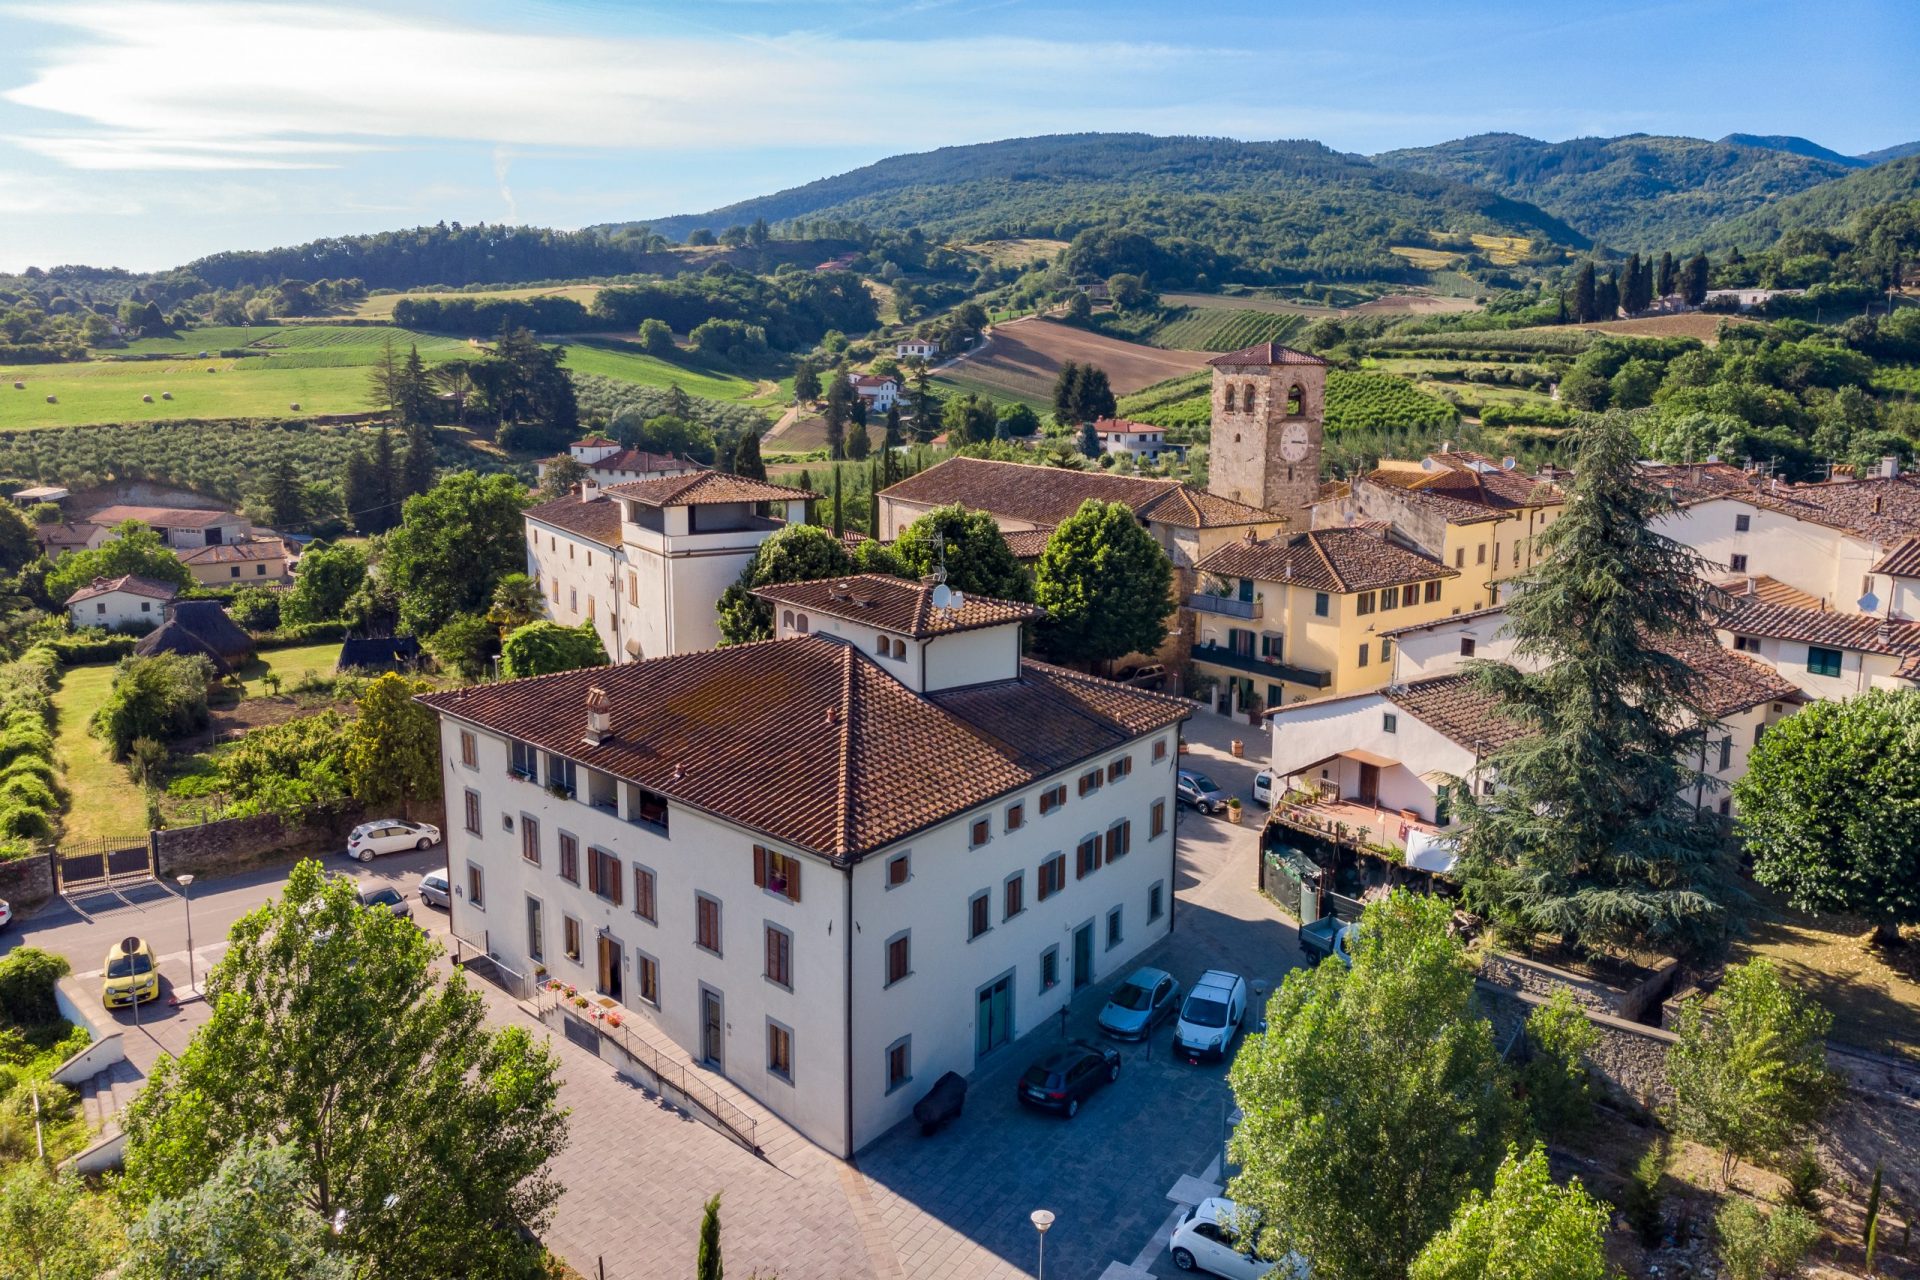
(1829, 205)
(1218, 329)
(1251, 209)
(1637, 191)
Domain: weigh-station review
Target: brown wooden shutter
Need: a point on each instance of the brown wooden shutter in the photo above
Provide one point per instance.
(793, 879)
(613, 874)
(593, 872)
(759, 866)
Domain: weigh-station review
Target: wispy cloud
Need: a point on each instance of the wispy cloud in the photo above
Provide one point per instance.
(207, 85)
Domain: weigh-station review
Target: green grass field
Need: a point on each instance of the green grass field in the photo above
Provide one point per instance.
(952, 384)
(104, 801)
(633, 365)
(289, 664)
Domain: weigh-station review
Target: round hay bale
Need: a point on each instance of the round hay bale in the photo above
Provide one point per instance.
(19, 386)
(53, 399)
(203, 355)
(166, 395)
(146, 399)
(210, 369)
(295, 406)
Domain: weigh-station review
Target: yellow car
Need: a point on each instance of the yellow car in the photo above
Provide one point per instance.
(132, 977)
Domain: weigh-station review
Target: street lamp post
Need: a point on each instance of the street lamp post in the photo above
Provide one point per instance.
(1042, 1219)
(186, 886)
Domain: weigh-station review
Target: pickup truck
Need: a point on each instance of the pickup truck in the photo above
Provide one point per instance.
(1328, 936)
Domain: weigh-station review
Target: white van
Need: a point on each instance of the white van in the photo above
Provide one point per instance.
(1215, 1010)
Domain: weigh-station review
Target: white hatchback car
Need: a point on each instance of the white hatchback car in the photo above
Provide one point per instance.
(390, 835)
(1212, 1238)
(1263, 788)
(1211, 1017)
(434, 891)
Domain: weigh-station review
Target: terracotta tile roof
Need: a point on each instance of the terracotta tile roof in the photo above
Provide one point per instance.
(593, 442)
(1265, 353)
(247, 552)
(1027, 544)
(1826, 627)
(164, 517)
(1434, 623)
(870, 381)
(597, 520)
(897, 605)
(1339, 560)
(1047, 495)
(1112, 426)
(703, 487)
(1459, 706)
(1465, 487)
(1883, 508)
(1766, 590)
(65, 535)
(645, 460)
(1901, 562)
(132, 583)
(808, 741)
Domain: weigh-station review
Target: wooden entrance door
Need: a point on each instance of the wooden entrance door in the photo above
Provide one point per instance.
(610, 965)
(1369, 784)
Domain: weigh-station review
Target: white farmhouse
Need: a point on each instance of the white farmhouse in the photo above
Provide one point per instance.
(832, 866)
(130, 603)
(608, 463)
(879, 392)
(917, 348)
(1137, 439)
(644, 561)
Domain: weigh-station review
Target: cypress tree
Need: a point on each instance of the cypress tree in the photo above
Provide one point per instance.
(859, 444)
(746, 456)
(1630, 285)
(384, 491)
(707, 1264)
(873, 500)
(1066, 395)
(417, 467)
(1594, 833)
(1089, 440)
(357, 489)
(1583, 289)
(1606, 297)
(839, 513)
(1694, 282)
(1663, 286)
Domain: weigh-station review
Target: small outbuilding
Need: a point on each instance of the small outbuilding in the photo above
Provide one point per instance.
(379, 653)
(202, 627)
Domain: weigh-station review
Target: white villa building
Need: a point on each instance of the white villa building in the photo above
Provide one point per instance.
(645, 561)
(832, 866)
(879, 392)
(608, 463)
(1136, 439)
(129, 603)
(917, 348)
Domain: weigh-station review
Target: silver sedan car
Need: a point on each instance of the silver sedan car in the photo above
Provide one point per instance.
(1138, 1004)
(434, 891)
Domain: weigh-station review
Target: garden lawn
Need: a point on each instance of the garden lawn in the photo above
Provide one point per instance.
(101, 799)
(630, 364)
(1875, 1004)
(289, 664)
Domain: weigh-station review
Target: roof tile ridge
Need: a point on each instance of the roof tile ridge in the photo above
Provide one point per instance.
(1313, 541)
(843, 798)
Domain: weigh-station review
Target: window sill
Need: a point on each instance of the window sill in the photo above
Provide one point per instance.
(698, 946)
(781, 894)
(897, 981)
(898, 1085)
(777, 984)
(976, 937)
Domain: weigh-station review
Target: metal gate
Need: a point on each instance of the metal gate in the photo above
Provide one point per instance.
(106, 862)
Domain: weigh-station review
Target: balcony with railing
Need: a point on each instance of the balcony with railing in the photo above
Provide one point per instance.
(1225, 606)
(1267, 668)
(1399, 834)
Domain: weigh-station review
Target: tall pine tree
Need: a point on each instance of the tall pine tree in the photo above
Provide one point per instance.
(417, 467)
(1593, 832)
(385, 494)
(413, 398)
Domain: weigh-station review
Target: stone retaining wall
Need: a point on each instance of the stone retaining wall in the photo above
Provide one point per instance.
(27, 882)
(234, 844)
(1597, 995)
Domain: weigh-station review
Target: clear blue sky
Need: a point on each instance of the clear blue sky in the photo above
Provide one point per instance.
(142, 133)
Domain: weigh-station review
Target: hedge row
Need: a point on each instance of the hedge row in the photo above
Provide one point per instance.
(301, 633)
(72, 651)
(28, 795)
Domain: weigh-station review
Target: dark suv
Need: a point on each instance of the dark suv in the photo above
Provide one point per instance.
(1059, 1081)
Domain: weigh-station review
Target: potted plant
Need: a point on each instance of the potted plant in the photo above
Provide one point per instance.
(613, 1017)
(1233, 810)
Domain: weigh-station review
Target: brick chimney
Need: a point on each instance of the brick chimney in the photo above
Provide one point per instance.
(599, 717)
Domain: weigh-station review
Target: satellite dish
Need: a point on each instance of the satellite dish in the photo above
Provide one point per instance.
(957, 601)
(1868, 602)
(942, 597)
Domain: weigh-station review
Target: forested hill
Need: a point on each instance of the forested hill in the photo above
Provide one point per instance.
(1826, 206)
(1639, 191)
(1255, 202)
(1795, 146)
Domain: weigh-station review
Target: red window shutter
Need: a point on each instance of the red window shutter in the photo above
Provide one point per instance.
(759, 866)
(793, 879)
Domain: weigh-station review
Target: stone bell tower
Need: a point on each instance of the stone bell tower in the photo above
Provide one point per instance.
(1269, 417)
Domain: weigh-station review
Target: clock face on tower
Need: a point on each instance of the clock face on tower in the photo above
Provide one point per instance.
(1293, 441)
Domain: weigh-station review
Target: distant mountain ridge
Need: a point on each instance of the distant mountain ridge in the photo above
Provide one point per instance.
(1828, 205)
(1256, 202)
(1638, 191)
(1797, 146)
(1897, 152)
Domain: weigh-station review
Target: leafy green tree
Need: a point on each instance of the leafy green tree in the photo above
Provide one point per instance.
(328, 576)
(968, 420)
(133, 548)
(972, 548)
(516, 602)
(295, 769)
(249, 1221)
(1066, 394)
(256, 608)
(656, 339)
(746, 456)
(161, 696)
(707, 1265)
(664, 433)
(806, 383)
(1106, 586)
(1527, 1228)
(1374, 1102)
(540, 648)
(1017, 421)
(1089, 441)
(1693, 280)
(1130, 293)
(1763, 1246)
(331, 1035)
(1093, 396)
(562, 473)
(454, 544)
(1749, 1071)
(19, 546)
(1825, 808)
(1079, 307)
(51, 1229)
(393, 749)
(1556, 1078)
(284, 499)
(466, 645)
(796, 553)
(1612, 723)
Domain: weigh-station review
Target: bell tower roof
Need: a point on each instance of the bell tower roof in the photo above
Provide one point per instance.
(1265, 353)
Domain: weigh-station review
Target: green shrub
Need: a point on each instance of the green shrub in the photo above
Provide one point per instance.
(27, 975)
(76, 651)
(23, 790)
(1556, 1077)
(38, 767)
(302, 633)
(160, 696)
(25, 822)
(29, 740)
(1763, 1246)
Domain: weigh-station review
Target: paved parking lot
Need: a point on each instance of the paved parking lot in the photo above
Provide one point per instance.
(912, 1208)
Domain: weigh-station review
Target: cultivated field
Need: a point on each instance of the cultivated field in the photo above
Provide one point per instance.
(630, 364)
(1025, 356)
(1414, 304)
(1694, 324)
(1425, 259)
(1503, 250)
(380, 306)
(1017, 253)
(1251, 302)
(1218, 329)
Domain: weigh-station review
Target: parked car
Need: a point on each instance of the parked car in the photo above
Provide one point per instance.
(6, 914)
(1200, 791)
(434, 890)
(1212, 1016)
(390, 835)
(1215, 1235)
(942, 1104)
(1263, 788)
(1137, 1005)
(1150, 676)
(132, 977)
(1067, 1076)
(389, 897)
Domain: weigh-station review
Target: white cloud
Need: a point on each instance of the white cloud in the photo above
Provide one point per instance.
(205, 85)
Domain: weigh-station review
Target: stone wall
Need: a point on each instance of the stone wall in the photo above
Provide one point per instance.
(1596, 995)
(1630, 1056)
(234, 844)
(28, 881)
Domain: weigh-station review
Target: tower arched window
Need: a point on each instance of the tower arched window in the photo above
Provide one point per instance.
(1246, 397)
(1229, 405)
(801, 624)
(1296, 400)
(786, 619)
